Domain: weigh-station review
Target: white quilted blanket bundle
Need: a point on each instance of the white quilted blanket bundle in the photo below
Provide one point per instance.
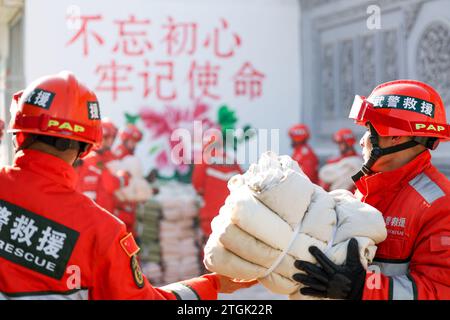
(338, 175)
(138, 189)
(274, 214)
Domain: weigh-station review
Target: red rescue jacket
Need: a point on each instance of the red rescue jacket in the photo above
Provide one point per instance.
(56, 243)
(211, 181)
(99, 183)
(126, 210)
(307, 161)
(414, 260)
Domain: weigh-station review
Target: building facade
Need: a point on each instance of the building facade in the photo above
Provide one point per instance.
(348, 47)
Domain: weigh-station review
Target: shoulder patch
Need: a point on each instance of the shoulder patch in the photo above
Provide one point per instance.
(137, 272)
(427, 188)
(129, 245)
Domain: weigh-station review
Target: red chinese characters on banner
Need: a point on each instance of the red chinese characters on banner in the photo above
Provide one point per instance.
(113, 78)
(132, 48)
(203, 78)
(159, 79)
(84, 33)
(180, 37)
(132, 39)
(216, 41)
(248, 81)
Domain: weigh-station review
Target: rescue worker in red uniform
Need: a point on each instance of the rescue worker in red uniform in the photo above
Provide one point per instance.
(303, 153)
(210, 180)
(404, 120)
(345, 140)
(56, 243)
(95, 180)
(130, 136)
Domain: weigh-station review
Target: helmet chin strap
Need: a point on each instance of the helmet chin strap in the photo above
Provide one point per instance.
(378, 152)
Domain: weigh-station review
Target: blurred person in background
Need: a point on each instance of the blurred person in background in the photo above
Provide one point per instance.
(95, 179)
(210, 180)
(337, 172)
(129, 137)
(125, 210)
(303, 153)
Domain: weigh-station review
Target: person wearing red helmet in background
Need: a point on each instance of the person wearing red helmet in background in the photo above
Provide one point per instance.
(303, 153)
(95, 180)
(130, 136)
(337, 172)
(48, 229)
(210, 180)
(345, 139)
(404, 120)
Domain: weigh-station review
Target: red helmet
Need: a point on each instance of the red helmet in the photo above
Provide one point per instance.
(403, 108)
(131, 132)
(345, 135)
(109, 128)
(60, 106)
(299, 133)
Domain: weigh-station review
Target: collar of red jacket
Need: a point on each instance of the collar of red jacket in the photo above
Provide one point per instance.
(46, 165)
(391, 180)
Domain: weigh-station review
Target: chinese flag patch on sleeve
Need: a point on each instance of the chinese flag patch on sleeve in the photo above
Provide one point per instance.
(440, 242)
(129, 245)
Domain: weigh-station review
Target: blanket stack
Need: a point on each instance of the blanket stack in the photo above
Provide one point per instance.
(274, 214)
(179, 251)
(149, 216)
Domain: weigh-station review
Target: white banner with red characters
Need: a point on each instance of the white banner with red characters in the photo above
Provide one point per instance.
(163, 64)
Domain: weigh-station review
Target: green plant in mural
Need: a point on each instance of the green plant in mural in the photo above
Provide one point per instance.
(131, 119)
(227, 120)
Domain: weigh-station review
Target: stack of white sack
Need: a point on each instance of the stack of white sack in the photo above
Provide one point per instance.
(274, 214)
(179, 252)
(138, 189)
(338, 175)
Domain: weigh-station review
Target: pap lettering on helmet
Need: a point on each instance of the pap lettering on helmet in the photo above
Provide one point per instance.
(34, 242)
(67, 126)
(427, 127)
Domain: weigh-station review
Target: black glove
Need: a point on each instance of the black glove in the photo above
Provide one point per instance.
(330, 280)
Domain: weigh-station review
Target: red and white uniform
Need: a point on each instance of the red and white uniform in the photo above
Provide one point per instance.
(351, 153)
(126, 210)
(211, 180)
(121, 152)
(56, 243)
(307, 161)
(415, 257)
(97, 182)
